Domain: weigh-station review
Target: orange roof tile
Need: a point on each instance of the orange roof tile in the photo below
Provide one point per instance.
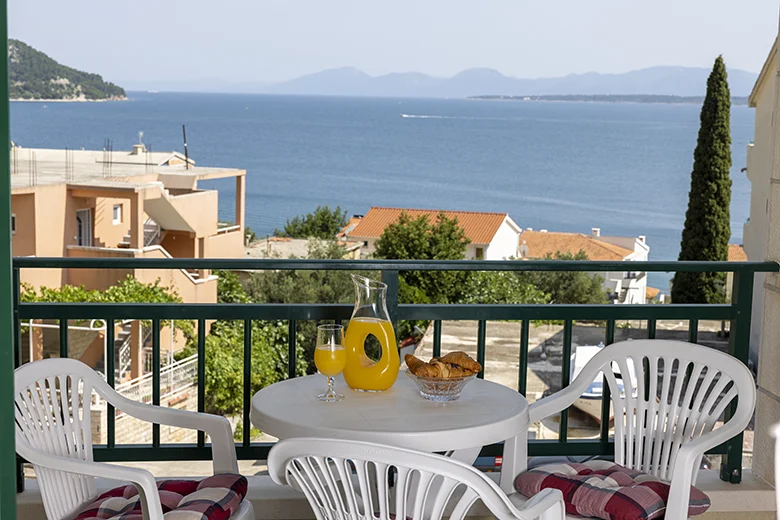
(737, 253)
(540, 244)
(651, 292)
(480, 228)
(351, 223)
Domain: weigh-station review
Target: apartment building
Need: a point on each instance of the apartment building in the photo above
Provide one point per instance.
(110, 204)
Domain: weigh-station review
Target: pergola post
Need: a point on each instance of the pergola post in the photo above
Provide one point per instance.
(7, 425)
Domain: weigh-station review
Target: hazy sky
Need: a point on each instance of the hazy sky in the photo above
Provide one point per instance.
(272, 40)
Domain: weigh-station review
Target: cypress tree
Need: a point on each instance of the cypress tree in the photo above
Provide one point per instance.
(707, 222)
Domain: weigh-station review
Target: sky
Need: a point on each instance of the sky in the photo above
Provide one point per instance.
(276, 40)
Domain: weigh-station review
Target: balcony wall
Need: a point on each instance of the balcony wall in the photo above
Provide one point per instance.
(199, 209)
(225, 244)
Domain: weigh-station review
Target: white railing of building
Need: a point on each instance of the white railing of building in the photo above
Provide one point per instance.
(174, 378)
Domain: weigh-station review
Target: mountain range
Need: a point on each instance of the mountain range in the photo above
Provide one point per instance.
(349, 81)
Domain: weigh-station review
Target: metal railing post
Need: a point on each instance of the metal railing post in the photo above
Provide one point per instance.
(739, 347)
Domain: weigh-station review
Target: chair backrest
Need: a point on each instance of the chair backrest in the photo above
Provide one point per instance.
(53, 398)
(351, 480)
(675, 392)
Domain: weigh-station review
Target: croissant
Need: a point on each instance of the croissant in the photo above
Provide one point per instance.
(414, 363)
(462, 360)
(456, 371)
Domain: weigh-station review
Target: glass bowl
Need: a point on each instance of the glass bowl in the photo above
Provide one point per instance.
(440, 390)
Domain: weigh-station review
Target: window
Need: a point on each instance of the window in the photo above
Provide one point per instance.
(117, 214)
(13, 223)
(480, 253)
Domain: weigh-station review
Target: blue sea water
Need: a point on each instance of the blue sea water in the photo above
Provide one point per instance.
(561, 166)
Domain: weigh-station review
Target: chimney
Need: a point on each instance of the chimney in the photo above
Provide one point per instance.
(595, 232)
(642, 238)
(138, 149)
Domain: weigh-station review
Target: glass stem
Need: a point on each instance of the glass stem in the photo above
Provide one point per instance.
(331, 382)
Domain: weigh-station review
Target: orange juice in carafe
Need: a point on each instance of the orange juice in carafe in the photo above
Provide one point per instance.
(370, 317)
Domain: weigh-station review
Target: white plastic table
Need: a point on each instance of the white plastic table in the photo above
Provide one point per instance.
(486, 413)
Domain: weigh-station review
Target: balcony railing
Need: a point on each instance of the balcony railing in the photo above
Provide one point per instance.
(737, 312)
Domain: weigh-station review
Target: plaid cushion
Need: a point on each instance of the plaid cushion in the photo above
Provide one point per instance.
(213, 498)
(606, 490)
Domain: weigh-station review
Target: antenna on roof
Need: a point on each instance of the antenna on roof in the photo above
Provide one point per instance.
(140, 138)
(68, 164)
(33, 169)
(149, 159)
(186, 154)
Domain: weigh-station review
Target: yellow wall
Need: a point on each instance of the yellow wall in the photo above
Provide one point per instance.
(225, 245)
(179, 244)
(100, 279)
(23, 240)
(108, 234)
(200, 210)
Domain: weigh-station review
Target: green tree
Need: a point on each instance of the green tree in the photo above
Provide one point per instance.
(287, 286)
(420, 239)
(500, 287)
(323, 223)
(707, 222)
(567, 286)
(225, 352)
(128, 290)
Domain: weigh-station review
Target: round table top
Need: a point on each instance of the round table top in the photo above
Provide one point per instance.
(485, 413)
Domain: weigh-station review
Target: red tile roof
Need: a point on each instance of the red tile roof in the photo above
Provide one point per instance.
(737, 253)
(540, 244)
(651, 292)
(480, 228)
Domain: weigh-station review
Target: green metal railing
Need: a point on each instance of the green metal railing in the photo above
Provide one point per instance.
(738, 313)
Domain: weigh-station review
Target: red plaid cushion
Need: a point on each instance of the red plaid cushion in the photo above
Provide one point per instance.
(213, 498)
(606, 490)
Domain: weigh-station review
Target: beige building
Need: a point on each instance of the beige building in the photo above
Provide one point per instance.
(759, 170)
(762, 242)
(137, 204)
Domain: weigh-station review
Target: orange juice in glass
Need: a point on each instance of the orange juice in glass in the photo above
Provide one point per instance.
(370, 317)
(330, 357)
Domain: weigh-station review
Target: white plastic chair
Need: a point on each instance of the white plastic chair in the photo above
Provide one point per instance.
(53, 433)
(665, 429)
(352, 480)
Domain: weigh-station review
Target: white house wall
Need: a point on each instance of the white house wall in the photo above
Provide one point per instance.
(760, 157)
(504, 243)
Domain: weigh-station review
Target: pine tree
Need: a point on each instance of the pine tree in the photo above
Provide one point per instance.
(707, 222)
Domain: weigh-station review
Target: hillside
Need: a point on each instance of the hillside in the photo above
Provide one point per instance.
(34, 75)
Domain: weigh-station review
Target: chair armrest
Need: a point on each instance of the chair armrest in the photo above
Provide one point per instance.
(547, 504)
(142, 479)
(223, 448)
(554, 403)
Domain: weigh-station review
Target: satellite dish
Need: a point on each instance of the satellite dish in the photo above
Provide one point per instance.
(523, 250)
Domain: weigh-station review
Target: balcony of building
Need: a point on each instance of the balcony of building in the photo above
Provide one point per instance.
(529, 359)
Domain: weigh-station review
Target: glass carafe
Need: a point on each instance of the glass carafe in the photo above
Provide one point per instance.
(370, 317)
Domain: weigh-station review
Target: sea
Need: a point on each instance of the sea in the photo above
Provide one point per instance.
(562, 166)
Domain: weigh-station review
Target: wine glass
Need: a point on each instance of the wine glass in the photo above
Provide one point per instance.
(330, 357)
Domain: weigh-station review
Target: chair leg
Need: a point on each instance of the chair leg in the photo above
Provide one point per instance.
(515, 461)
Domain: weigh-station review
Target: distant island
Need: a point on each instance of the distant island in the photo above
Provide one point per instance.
(349, 81)
(33, 76)
(613, 98)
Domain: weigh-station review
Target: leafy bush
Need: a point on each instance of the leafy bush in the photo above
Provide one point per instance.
(324, 223)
